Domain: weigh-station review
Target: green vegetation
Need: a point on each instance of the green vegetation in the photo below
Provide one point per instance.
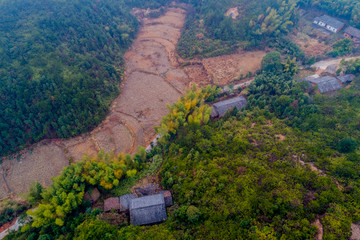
(10, 210)
(60, 66)
(238, 177)
(342, 48)
(208, 32)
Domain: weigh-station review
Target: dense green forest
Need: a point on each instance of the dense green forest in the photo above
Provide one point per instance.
(239, 177)
(60, 66)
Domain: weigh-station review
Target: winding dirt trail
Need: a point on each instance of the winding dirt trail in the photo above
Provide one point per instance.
(152, 80)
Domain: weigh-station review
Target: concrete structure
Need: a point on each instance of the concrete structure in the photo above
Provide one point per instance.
(220, 108)
(329, 23)
(147, 210)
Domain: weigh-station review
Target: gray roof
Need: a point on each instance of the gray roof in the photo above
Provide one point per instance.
(346, 78)
(309, 78)
(326, 84)
(125, 201)
(353, 32)
(220, 108)
(330, 21)
(147, 210)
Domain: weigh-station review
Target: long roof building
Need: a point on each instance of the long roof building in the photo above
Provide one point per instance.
(147, 210)
(220, 108)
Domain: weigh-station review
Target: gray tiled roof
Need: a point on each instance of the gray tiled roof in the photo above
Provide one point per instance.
(330, 21)
(220, 108)
(326, 84)
(147, 210)
(125, 201)
(346, 78)
(353, 32)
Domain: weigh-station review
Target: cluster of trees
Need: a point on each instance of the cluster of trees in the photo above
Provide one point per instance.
(189, 110)
(348, 9)
(342, 47)
(208, 32)
(60, 66)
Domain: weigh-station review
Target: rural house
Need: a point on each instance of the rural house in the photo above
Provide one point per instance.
(147, 210)
(148, 206)
(329, 23)
(346, 78)
(353, 34)
(325, 84)
(220, 108)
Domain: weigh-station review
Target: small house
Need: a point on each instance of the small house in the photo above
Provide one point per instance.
(329, 23)
(326, 84)
(220, 108)
(147, 210)
(353, 34)
(346, 78)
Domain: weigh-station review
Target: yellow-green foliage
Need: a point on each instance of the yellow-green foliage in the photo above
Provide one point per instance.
(275, 21)
(190, 109)
(67, 191)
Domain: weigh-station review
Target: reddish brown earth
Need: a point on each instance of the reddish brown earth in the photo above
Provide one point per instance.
(154, 78)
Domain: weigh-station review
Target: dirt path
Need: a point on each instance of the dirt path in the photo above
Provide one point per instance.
(323, 65)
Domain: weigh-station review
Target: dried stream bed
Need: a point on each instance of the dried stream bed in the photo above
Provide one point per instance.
(153, 78)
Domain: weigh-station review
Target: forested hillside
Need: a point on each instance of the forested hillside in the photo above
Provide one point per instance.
(60, 66)
(245, 176)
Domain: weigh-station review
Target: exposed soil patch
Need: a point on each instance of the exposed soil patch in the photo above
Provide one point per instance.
(224, 69)
(311, 46)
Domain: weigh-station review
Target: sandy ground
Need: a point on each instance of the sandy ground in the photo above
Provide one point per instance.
(154, 77)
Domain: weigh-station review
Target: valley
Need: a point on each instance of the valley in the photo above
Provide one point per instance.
(155, 76)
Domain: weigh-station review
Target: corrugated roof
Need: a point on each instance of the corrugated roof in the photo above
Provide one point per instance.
(326, 84)
(353, 31)
(147, 210)
(331, 21)
(220, 108)
(346, 78)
